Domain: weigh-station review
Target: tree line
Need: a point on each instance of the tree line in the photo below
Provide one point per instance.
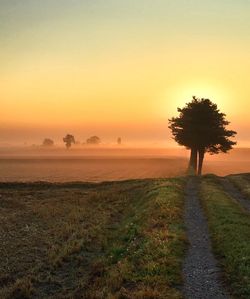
(69, 139)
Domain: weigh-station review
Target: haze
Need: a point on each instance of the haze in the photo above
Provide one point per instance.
(119, 68)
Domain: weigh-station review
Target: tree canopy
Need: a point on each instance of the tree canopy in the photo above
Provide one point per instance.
(201, 127)
(69, 139)
(93, 140)
(48, 142)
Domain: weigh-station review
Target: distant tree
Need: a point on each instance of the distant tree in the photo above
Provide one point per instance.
(201, 127)
(68, 140)
(119, 141)
(48, 142)
(93, 140)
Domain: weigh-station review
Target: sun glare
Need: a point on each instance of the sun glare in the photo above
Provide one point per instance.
(183, 94)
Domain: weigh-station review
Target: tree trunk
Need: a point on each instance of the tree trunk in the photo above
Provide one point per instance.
(201, 158)
(193, 161)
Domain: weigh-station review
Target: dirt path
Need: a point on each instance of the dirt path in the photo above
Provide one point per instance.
(235, 193)
(201, 273)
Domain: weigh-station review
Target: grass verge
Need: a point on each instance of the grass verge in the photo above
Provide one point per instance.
(242, 182)
(230, 231)
(145, 260)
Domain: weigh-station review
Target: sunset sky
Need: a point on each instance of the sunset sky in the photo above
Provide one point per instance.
(120, 67)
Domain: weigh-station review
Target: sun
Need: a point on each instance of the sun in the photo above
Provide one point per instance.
(184, 93)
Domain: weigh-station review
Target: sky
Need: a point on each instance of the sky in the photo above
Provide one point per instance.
(120, 68)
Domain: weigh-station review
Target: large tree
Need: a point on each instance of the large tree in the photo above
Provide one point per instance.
(201, 127)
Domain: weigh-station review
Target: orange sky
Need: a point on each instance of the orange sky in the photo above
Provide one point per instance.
(116, 68)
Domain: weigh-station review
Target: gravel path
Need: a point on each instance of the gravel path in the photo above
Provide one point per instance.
(235, 193)
(201, 274)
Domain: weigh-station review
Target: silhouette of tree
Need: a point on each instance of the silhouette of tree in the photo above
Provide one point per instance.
(201, 127)
(93, 140)
(68, 140)
(48, 142)
(119, 141)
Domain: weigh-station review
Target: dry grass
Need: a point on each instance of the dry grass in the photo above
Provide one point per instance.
(109, 240)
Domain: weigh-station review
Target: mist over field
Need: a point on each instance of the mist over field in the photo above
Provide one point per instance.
(95, 164)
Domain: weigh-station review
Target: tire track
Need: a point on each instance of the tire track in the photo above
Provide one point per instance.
(235, 193)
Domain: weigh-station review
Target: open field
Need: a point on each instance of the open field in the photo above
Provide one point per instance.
(113, 164)
(90, 169)
(98, 169)
(111, 240)
(116, 239)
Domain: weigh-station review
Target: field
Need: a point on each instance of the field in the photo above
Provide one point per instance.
(117, 239)
(114, 164)
(110, 240)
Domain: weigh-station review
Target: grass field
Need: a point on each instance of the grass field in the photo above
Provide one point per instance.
(109, 240)
(115, 240)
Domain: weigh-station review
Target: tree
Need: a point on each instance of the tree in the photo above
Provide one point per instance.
(119, 141)
(201, 127)
(93, 140)
(68, 140)
(48, 142)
